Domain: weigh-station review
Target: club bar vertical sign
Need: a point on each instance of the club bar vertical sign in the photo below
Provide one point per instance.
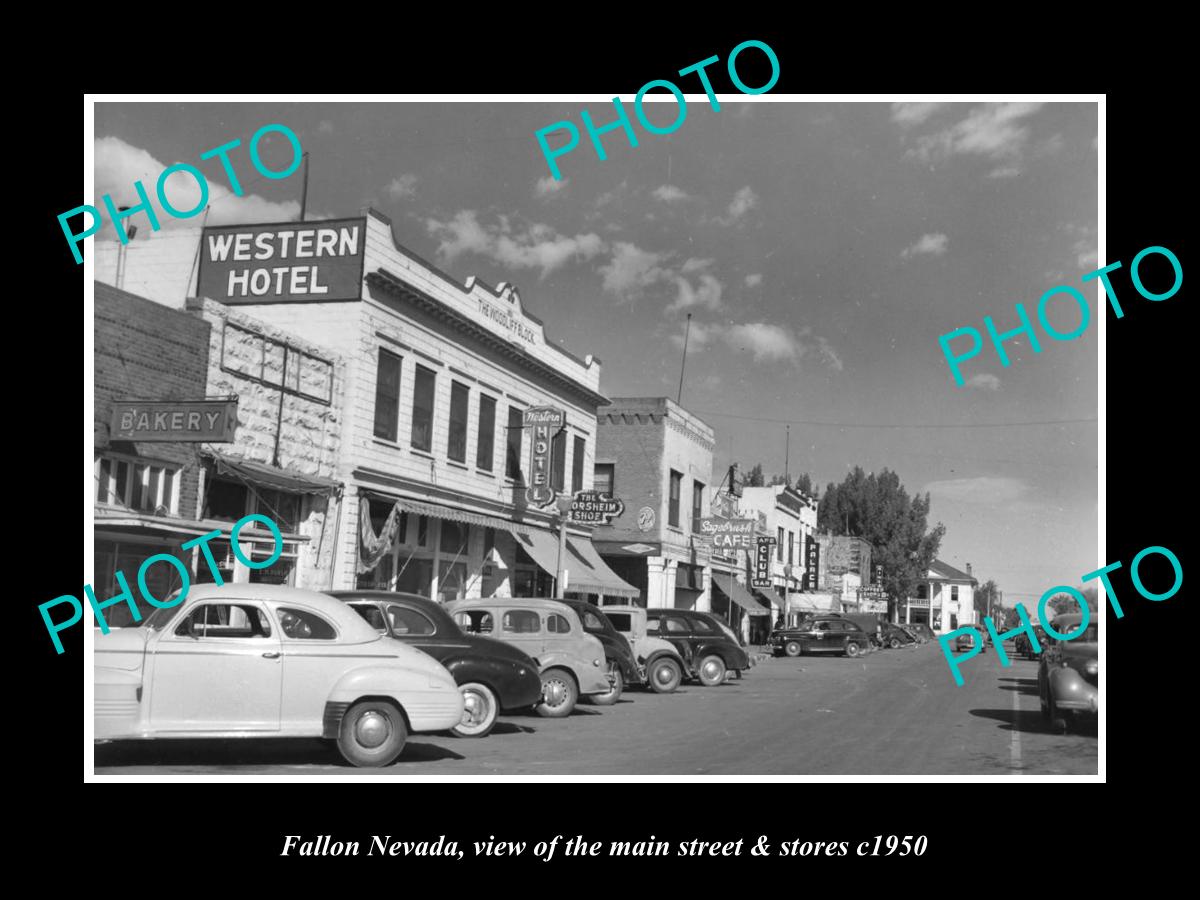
(762, 562)
(544, 423)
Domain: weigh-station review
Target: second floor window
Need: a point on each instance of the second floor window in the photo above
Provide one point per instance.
(779, 543)
(603, 475)
(697, 504)
(486, 449)
(422, 417)
(791, 547)
(577, 464)
(141, 486)
(673, 507)
(387, 396)
(558, 461)
(456, 447)
(512, 461)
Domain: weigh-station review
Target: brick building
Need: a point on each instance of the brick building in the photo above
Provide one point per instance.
(145, 492)
(657, 458)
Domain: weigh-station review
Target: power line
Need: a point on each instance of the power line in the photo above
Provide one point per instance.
(701, 412)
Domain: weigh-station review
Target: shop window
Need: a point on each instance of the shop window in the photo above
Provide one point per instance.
(454, 538)
(603, 475)
(489, 543)
(452, 581)
(422, 415)
(485, 450)
(142, 486)
(577, 455)
(225, 500)
(697, 504)
(779, 543)
(222, 554)
(422, 531)
(512, 463)
(456, 446)
(415, 576)
(379, 578)
(282, 507)
(302, 625)
(387, 396)
(673, 506)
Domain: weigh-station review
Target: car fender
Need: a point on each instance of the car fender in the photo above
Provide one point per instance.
(727, 655)
(116, 703)
(1066, 682)
(589, 679)
(396, 682)
(499, 675)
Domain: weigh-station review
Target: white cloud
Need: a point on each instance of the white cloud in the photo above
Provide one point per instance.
(698, 334)
(743, 201)
(668, 193)
(983, 381)
(1004, 172)
(907, 114)
(118, 165)
(325, 127)
(609, 196)
(402, 186)
(986, 490)
(706, 296)
(534, 246)
(695, 265)
(754, 280)
(549, 185)
(632, 269)
(994, 131)
(768, 343)
(928, 245)
(826, 350)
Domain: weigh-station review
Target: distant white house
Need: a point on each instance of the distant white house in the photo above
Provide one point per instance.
(945, 600)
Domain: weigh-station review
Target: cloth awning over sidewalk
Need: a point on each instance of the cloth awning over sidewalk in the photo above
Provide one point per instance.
(597, 577)
(272, 476)
(734, 591)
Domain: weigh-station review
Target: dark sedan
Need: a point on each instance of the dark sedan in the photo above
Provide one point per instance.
(895, 637)
(706, 648)
(492, 675)
(1069, 672)
(622, 666)
(1023, 647)
(824, 635)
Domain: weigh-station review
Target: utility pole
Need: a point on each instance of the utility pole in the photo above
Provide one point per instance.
(304, 190)
(787, 455)
(683, 364)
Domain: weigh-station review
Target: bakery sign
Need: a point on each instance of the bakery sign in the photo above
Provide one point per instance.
(762, 562)
(729, 534)
(213, 421)
(543, 423)
(594, 508)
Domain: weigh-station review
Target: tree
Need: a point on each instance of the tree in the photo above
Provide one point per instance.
(804, 485)
(879, 510)
(779, 479)
(1065, 603)
(754, 478)
(988, 594)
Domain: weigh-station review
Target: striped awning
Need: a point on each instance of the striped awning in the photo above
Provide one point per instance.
(438, 511)
(739, 595)
(597, 577)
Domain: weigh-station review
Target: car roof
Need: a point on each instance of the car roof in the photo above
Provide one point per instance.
(542, 603)
(351, 625)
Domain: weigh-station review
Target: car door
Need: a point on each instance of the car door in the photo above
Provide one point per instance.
(315, 657)
(218, 669)
(817, 637)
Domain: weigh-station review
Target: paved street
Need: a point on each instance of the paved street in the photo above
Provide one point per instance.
(893, 712)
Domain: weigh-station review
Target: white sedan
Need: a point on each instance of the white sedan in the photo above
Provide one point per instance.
(258, 660)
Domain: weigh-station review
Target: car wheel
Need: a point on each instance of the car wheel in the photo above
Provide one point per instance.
(792, 648)
(372, 733)
(559, 694)
(480, 711)
(894, 643)
(665, 675)
(711, 671)
(618, 685)
(852, 648)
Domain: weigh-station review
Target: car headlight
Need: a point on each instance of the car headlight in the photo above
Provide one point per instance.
(1092, 667)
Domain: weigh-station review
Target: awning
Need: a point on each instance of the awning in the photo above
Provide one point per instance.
(437, 511)
(272, 476)
(739, 595)
(597, 577)
(543, 547)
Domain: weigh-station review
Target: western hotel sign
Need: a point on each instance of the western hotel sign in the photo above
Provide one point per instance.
(286, 263)
(183, 420)
(545, 421)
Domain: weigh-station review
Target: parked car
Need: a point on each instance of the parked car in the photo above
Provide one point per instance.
(660, 665)
(967, 640)
(714, 619)
(260, 660)
(618, 654)
(832, 634)
(493, 676)
(708, 652)
(914, 634)
(1069, 672)
(895, 637)
(922, 629)
(1024, 648)
(569, 660)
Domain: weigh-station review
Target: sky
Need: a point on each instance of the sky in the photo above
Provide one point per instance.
(820, 248)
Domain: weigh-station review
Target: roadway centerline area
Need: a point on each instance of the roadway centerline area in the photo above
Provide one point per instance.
(891, 712)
